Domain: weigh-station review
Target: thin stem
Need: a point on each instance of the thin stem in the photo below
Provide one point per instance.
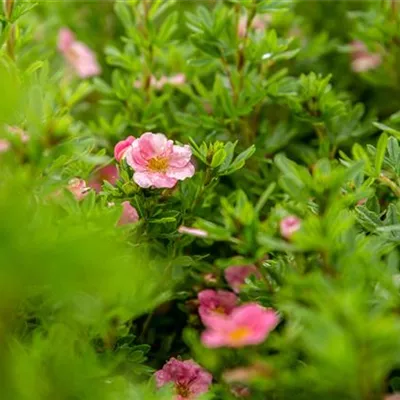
(8, 9)
(230, 77)
(388, 182)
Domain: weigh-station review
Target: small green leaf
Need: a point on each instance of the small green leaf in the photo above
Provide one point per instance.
(218, 158)
(380, 152)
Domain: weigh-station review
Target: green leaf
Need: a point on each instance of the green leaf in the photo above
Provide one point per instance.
(380, 152)
(218, 158)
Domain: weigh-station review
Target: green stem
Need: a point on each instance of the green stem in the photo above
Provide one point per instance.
(388, 182)
(8, 9)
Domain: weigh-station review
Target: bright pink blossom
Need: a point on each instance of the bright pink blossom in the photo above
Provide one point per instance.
(193, 231)
(188, 378)
(362, 59)
(122, 147)
(236, 275)
(157, 162)
(78, 188)
(4, 145)
(217, 302)
(108, 173)
(80, 57)
(246, 325)
(129, 214)
(289, 225)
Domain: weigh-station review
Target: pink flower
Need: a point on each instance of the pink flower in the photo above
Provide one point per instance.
(78, 188)
(174, 80)
(121, 148)
(236, 275)
(157, 162)
(394, 396)
(177, 79)
(362, 59)
(289, 225)
(78, 55)
(192, 231)
(214, 302)
(129, 214)
(259, 24)
(108, 173)
(246, 325)
(210, 278)
(4, 145)
(188, 378)
(17, 131)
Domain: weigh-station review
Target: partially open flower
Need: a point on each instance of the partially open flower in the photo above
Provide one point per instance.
(188, 378)
(362, 59)
(122, 147)
(192, 231)
(78, 188)
(289, 225)
(4, 145)
(20, 133)
(157, 162)
(108, 173)
(158, 84)
(246, 325)
(236, 275)
(80, 57)
(129, 214)
(259, 24)
(220, 302)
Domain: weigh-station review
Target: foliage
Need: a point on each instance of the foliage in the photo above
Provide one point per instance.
(290, 108)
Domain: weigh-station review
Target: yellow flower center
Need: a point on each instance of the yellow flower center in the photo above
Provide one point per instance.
(239, 334)
(182, 390)
(158, 164)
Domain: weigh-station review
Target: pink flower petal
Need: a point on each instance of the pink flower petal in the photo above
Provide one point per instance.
(150, 179)
(181, 173)
(65, 39)
(189, 379)
(129, 214)
(192, 231)
(121, 147)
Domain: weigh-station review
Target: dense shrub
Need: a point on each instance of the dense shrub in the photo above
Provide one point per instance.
(199, 199)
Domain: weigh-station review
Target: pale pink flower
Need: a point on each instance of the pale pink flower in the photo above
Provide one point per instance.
(362, 59)
(188, 378)
(80, 57)
(17, 131)
(129, 214)
(289, 225)
(247, 374)
(177, 79)
(78, 188)
(121, 148)
(248, 324)
(4, 145)
(215, 302)
(158, 84)
(108, 173)
(394, 396)
(236, 275)
(259, 23)
(210, 278)
(193, 231)
(157, 162)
